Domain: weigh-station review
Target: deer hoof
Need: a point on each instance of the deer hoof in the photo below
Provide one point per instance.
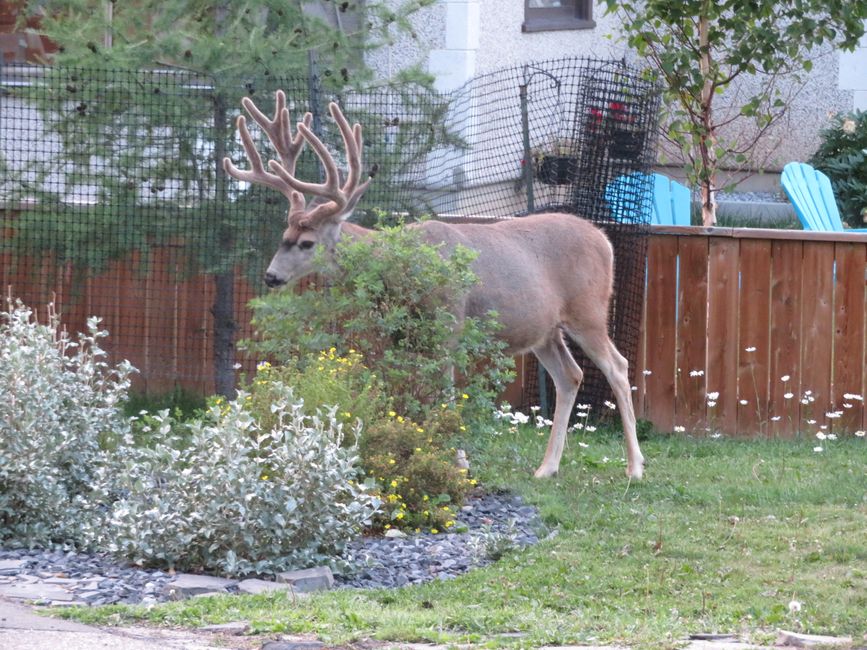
(545, 472)
(635, 471)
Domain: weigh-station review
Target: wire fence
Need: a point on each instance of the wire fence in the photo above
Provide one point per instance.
(113, 200)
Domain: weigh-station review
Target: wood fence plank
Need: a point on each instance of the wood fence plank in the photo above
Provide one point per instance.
(193, 370)
(754, 337)
(722, 333)
(638, 396)
(660, 332)
(817, 334)
(785, 344)
(161, 327)
(849, 322)
(691, 326)
(129, 314)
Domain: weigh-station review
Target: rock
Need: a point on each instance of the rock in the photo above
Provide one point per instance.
(254, 586)
(798, 640)
(316, 579)
(237, 628)
(293, 645)
(11, 567)
(186, 585)
(36, 591)
(394, 533)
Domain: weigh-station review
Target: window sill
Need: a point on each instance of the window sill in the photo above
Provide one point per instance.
(555, 24)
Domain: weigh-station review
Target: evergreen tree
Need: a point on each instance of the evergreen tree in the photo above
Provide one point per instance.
(142, 96)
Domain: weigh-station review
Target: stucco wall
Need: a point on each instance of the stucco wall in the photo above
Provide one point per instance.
(466, 37)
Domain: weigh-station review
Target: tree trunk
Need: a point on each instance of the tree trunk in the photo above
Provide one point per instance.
(707, 138)
(223, 309)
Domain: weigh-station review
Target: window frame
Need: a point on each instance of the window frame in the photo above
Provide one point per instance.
(577, 14)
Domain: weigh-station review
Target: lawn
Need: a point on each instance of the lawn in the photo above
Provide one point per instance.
(721, 536)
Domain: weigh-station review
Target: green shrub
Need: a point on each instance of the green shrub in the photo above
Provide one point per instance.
(414, 469)
(228, 495)
(843, 157)
(388, 297)
(321, 381)
(60, 405)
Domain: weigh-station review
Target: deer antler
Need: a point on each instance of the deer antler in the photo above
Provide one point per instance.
(281, 177)
(341, 198)
(279, 132)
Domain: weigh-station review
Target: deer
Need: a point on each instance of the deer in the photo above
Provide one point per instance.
(547, 276)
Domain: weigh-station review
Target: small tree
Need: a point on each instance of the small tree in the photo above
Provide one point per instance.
(700, 48)
(148, 162)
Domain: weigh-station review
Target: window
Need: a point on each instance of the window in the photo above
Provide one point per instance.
(550, 15)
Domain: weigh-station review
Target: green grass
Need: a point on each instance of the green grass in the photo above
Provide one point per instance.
(719, 537)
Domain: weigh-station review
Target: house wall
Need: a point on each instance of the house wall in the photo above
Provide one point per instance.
(853, 74)
(467, 37)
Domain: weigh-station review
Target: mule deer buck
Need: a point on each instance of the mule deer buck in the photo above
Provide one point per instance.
(546, 275)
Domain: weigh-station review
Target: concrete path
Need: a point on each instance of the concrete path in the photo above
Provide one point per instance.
(23, 629)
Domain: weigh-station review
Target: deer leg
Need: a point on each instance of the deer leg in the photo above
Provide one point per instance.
(598, 346)
(567, 376)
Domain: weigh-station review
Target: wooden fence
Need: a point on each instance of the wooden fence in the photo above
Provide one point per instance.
(771, 320)
(728, 311)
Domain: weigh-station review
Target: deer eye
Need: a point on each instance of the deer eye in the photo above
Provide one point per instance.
(307, 244)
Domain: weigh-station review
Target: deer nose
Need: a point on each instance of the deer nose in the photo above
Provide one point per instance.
(272, 280)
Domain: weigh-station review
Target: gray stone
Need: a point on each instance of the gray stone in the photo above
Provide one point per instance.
(11, 567)
(36, 591)
(186, 585)
(254, 586)
(316, 579)
(798, 640)
(394, 532)
(293, 645)
(237, 628)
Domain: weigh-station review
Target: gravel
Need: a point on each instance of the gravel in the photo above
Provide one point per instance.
(491, 525)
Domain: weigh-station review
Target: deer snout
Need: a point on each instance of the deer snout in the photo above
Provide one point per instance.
(273, 281)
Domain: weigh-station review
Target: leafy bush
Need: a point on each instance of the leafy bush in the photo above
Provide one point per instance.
(321, 381)
(409, 466)
(60, 403)
(388, 296)
(843, 157)
(226, 494)
(414, 467)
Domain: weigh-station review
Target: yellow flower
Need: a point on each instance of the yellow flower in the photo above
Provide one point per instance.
(417, 450)
(419, 429)
(399, 516)
(425, 498)
(391, 461)
(400, 419)
(449, 523)
(465, 396)
(473, 481)
(387, 526)
(463, 428)
(434, 531)
(391, 414)
(347, 414)
(394, 484)
(264, 477)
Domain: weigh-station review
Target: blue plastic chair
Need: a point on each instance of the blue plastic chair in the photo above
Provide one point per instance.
(812, 196)
(670, 205)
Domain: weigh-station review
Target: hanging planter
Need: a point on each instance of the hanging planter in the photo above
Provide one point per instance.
(556, 170)
(625, 138)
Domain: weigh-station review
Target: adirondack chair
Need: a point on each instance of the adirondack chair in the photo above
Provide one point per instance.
(670, 205)
(812, 196)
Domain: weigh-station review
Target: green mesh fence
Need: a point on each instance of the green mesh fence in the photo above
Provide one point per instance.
(113, 201)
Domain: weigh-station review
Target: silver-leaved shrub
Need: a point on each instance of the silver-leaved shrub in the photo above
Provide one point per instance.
(227, 495)
(59, 408)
